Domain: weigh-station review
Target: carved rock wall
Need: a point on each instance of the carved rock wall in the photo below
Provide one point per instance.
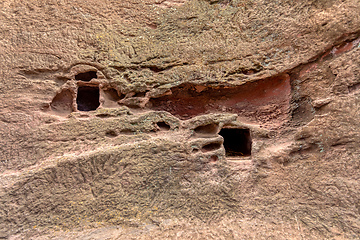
(179, 119)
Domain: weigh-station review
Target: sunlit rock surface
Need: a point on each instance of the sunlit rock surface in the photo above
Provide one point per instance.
(175, 119)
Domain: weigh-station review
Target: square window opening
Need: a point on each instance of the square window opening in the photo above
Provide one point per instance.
(237, 142)
(88, 98)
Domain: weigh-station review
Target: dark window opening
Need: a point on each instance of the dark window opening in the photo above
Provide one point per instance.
(86, 76)
(163, 126)
(207, 129)
(88, 98)
(237, 142)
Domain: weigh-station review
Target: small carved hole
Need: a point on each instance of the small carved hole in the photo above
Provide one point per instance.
(86, 76)
(88, 98)
(195, 150)
(214, 159)
(237, 142)
(163, 126)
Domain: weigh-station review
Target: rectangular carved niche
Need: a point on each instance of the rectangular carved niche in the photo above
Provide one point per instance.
(237, 142)
(88, 98)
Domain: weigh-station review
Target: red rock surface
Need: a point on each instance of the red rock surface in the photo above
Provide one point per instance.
(175, 119)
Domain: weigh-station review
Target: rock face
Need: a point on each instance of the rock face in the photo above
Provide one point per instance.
(175, 119)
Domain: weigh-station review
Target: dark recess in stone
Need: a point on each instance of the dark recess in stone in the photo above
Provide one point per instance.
(207, 129)
(88, 98)
(237, 142)
(214, 158)
(111, 134)
(127, 131)
(195, 150)
(86, 76)
(163, 126)
(140, 94)
(103, 115)
(211, 147)
(190, 100)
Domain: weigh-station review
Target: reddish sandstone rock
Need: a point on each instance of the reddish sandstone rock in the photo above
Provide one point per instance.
(179, 119)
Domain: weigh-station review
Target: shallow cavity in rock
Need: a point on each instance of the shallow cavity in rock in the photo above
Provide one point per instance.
(211, 147)
(189, 100)
(163, 126)
(86, 76)
(62, 102)
(207, 129)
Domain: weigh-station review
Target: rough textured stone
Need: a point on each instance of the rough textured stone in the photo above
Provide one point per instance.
(111, 119)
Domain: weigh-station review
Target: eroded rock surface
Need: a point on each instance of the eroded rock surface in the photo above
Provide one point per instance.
(179, 119)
